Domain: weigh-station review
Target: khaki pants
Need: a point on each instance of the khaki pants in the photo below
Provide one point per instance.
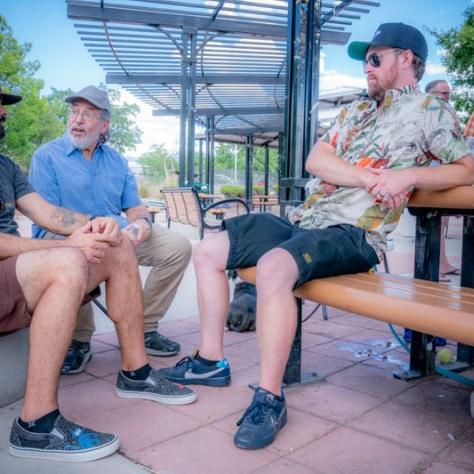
(168, 254)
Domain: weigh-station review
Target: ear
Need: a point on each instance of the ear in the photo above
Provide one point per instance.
(407, 57)
(105, 127)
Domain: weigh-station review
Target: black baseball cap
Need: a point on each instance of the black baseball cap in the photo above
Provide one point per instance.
(394, 35)
(9, 99)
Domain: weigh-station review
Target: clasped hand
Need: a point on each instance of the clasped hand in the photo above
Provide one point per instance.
(95, 237)
(390, 187)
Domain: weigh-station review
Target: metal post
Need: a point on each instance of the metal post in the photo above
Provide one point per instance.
(208, 153)
(200, 161)
(313, 104)
(266, 166)
(211, 155)
(249, 169)
(183, 109)
(192, 108)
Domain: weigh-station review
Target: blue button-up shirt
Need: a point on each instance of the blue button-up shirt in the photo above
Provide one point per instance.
(102, 186)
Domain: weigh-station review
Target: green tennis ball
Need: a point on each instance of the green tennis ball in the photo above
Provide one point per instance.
(445, 356)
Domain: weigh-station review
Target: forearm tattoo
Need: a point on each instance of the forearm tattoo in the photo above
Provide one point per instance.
(65, 218)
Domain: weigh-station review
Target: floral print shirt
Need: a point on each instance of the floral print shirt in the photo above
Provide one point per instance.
(410, 129)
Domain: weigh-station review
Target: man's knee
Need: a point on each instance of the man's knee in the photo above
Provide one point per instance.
(211, 251)
(37, 271)
(68, 265)
(121, 255)
(276, 271)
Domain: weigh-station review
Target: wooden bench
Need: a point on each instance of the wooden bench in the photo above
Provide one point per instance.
(262, 201)
(184, 206)
(427, 307)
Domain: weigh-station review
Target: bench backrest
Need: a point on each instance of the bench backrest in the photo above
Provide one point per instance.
(183, 206)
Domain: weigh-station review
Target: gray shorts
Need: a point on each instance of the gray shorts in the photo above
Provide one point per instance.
(14, 312)
(318, 253)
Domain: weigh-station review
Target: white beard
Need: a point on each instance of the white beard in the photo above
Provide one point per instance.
(83, 143)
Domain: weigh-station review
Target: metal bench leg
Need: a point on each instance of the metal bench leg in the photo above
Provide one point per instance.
(293, 374)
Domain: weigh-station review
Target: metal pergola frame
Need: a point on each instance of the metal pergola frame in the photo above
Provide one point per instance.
(222, 65)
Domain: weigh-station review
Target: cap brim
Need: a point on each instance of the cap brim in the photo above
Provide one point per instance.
(9, 99)
(72, 98)
(357, 50)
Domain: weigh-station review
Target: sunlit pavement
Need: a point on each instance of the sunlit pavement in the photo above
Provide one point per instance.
(358, 420)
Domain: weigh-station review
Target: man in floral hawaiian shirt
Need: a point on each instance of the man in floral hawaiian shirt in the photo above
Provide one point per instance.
(370, 160)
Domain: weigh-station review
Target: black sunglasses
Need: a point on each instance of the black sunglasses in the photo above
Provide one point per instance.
(374, 58)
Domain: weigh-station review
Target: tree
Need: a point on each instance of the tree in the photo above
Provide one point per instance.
(31, 122)
(458, 45)
(39, 118)
(158, 163)
(124, 134)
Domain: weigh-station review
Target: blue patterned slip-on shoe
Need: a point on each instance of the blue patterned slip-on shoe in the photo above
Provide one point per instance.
(191, 371)
(261, 422)
(77, 356)
(67, 442)
(156, 388)
(158, 345)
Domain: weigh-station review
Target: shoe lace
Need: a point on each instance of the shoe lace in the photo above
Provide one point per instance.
(72, 349)
(184, 361)
(256, 413)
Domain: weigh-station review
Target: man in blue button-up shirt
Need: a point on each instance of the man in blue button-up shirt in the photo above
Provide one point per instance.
(80, 172)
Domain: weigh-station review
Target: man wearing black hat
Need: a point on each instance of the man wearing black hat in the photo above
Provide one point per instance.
(42, 285)
(81, 172)
(375, 153)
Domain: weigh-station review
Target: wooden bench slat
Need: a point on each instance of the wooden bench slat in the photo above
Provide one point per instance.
(421, 305)
(461, 197)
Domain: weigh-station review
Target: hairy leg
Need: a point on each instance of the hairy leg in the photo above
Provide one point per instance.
(276, 315)
(210, 258)
(53, 283)
(124, 295)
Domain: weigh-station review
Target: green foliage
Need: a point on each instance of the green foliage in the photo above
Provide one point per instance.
(124, 134)
(258, 189)
(225, 152)
(38, 119)
(230, 190)
(458, 45)
(32, 121)
(158, 163)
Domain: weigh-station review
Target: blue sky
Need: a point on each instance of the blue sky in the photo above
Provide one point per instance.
(65, 61)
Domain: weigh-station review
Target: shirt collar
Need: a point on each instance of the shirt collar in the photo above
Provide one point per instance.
(394, 95)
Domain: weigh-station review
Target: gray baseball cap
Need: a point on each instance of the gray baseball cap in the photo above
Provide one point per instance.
(97, 97)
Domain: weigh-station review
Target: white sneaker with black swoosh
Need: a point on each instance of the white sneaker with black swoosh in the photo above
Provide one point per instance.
(192, 370)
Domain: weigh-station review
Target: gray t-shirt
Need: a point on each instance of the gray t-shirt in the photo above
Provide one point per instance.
(13, 185)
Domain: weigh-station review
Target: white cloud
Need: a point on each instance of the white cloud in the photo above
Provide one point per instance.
(433, 69)
(155, 130)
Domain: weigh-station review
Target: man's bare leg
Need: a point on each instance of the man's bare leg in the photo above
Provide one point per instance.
(276, 315)
(210, 259)
(53, 283)
(119, 270)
